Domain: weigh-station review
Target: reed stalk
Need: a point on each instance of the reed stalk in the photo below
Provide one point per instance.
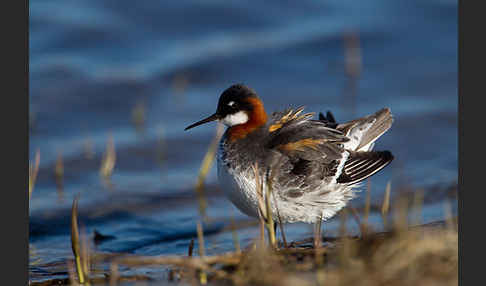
(33, 171)
(75, 243)
(204, 169)
(269, 218)
(203, 279)
(385, 207)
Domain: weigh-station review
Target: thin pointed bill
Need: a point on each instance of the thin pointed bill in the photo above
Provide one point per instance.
(205, 120)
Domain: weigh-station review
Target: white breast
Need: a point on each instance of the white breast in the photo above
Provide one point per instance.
(238, 188)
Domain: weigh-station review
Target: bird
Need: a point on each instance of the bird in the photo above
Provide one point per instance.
(317, 165)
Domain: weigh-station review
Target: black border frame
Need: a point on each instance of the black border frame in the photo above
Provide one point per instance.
(15, 238)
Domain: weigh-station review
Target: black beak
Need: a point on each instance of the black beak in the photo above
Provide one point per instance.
(205, 120)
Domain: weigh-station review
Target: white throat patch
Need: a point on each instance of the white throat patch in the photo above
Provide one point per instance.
(239, 117)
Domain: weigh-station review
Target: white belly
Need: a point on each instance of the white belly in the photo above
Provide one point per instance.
(239, 190)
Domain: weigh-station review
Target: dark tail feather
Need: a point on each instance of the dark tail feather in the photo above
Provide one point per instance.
(361, 165)
(328, 119)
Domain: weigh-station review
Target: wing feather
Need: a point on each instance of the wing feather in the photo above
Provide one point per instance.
(298, 136)
(315, 151)
(361, 165)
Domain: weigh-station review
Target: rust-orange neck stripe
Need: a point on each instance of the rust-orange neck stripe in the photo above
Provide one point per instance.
(257, 118)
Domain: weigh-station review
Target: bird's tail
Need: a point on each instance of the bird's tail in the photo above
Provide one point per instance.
(364, 131)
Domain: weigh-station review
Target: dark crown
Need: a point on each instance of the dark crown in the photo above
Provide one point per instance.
(238, 94)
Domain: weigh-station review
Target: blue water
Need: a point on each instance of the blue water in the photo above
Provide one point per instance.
(92, 62)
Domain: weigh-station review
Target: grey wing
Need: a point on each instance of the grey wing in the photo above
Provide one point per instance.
(306, 152)
(298, 135)
(311, 151)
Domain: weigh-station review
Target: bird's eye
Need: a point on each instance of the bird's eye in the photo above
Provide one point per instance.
(231, 103)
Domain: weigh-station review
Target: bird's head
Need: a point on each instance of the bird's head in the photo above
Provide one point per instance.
(238, 106)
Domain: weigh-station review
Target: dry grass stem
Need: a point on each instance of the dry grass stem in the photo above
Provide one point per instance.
(280, 225)
(262, 211)
(200, 237)
(109, 159)
(269, 218)
(33, 170)
(75, 242)
(259, 190)
(355, 215)
(205, 167)
(72, 278)
(425, 255)
(367, 204)
(261, 240)
(400, 214)
(114, 274)
(418, 200)
(59, 174)
(85, 253)
(386, 205)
